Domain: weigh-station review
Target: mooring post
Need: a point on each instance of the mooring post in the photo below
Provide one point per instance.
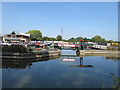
(78, 51)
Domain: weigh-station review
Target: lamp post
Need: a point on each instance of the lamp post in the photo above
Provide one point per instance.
(81, 40)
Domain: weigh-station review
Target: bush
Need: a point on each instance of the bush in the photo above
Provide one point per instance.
(113, 48)
(14, 49)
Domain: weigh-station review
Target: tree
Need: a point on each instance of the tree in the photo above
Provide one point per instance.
(87, 40)
(59, 38)
(45, 38)
(78, 38)
(110, 41)
(104, 41)
(72, 40)
(97, 39)
(35, 34)
(64, 40)
(52, 39)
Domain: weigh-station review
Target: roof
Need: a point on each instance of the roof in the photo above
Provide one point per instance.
(19, 33)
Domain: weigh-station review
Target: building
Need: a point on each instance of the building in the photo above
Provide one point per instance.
(16, 37)
(112, 44)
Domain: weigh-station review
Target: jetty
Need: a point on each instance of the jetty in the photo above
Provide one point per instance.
(31, 55)
(98, 52)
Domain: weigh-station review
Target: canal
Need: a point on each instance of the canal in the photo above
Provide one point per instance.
(67, 71)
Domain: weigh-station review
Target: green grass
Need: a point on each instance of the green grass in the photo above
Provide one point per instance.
(35, 51)
(114, 50)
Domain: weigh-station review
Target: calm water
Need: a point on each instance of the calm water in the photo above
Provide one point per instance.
(91, 72)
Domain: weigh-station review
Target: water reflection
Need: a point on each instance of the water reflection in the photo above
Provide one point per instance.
(22, 64)
(106, 56)
(112, 57)
(16, 64)
(60, 74)
(81, 65)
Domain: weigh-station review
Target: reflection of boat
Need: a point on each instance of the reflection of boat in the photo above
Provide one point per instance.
(68, 59)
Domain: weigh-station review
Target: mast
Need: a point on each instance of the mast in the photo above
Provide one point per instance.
(62, 32)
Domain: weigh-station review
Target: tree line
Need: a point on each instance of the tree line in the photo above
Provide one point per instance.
(36, 35)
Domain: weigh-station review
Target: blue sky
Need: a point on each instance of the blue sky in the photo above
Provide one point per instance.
(85, 19)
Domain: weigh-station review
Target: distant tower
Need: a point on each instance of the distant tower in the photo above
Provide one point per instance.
(62, 32)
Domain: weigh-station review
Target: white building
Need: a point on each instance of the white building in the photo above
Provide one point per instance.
(16, 37)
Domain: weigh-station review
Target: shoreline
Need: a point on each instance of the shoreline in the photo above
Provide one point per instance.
(98, 52)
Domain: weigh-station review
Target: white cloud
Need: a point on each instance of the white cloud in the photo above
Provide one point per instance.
(24, 80)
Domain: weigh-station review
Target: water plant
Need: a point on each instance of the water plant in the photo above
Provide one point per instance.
(116, 80)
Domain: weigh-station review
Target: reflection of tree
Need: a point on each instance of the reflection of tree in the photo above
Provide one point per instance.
(16, 64)
(113, 58)
(22, 64)
(106, 56)
(116, 81)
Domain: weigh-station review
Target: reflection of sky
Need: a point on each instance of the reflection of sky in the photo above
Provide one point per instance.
(58, 74)
(68, 52)
(23, 81)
